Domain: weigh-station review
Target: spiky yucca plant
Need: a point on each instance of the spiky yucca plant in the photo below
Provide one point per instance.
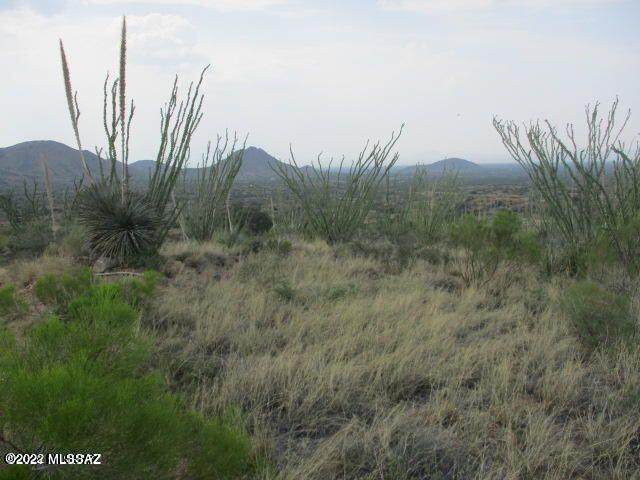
(118, 229)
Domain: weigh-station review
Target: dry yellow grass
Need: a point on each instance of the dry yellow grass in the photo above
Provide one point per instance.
(23, 273)
(343, 370)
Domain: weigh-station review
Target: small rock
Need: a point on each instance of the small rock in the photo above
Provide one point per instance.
(103, 264)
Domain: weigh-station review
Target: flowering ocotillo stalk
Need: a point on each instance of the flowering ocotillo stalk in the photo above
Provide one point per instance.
(123, 105)
(74, 111)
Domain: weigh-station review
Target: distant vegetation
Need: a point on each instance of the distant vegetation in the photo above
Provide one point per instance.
(341, 320)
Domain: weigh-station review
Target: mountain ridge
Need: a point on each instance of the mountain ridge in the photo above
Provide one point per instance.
(23, 162)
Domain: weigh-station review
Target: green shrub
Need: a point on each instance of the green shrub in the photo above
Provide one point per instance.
(252, 220)
(58, 290)
(488, 243)
(32, 237)
(23, 209)
(9, 303)
(206, 210)
(284, 290)
(4, 241)
(338, 292)
(71, 241)
(600, 317)
(84, 385)
(473, 236)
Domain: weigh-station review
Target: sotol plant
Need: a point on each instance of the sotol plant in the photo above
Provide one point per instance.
(123, 223)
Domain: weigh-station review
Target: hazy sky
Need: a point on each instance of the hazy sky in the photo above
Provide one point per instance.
(324, 75)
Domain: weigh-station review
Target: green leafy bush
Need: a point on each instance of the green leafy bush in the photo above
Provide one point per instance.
(84, 385)
(600, 317)
(206, 211)
(9, 303)
(23, 209)
(31, 237)
(426, 209)
(488, 243)
(337, 292)
(252, 220)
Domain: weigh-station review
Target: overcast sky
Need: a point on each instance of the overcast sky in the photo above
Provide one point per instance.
(324, 75)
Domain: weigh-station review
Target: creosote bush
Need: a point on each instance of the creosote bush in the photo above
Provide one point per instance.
(80, 382)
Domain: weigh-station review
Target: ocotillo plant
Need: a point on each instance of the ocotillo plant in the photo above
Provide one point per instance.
(589, 192)
(433, 204)
(215, 176)
(337, 201)
(137, 222)
(177, 129)
(21, 211)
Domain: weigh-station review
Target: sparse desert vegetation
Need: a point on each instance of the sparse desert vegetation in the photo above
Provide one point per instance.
(343, 323)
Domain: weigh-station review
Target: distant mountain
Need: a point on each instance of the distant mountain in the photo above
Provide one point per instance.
(452, 165)
(142, 166)
(23, 161)
(256, 166)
